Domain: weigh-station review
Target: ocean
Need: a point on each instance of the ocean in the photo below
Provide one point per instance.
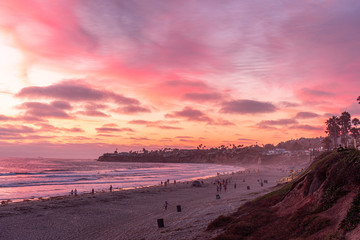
(25, 178)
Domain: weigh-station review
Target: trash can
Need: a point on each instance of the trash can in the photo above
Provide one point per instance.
(178, 208)
(160, 222)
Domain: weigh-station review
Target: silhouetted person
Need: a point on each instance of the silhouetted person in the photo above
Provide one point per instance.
(75, 192)
(166, 205)
(340, 148)
(110, 188)
(92, 191)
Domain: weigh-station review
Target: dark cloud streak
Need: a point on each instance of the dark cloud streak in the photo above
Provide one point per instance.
(244, 106)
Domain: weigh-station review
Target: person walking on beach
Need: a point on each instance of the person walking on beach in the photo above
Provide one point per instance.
(166, 205)
(75, 191)
(72, 192)
(110, 188)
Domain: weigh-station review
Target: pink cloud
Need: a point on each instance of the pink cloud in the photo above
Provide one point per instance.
(73, 91)
(190, 114)
(308, 127)
(61, 105)
(244, 106)
(247, 140)
(286, 104)
(186, 140)
(94, 110)
(56, 36)
(93, 113)
(132, 109)
(74, 130)
(187, 84)
(6, 118)
(79, 92)
(29, 118)
(140, 138)
(40, 110)
(166, 127)
(9, 130)
(202, 97)
(50, 128)
(306, 115)
(110, 128)
(157, 124)
(141, 122)
(189, 137)
(223, 122)
(278, 122)
(308, 95)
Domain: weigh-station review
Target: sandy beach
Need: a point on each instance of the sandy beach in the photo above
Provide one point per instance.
(133, 214)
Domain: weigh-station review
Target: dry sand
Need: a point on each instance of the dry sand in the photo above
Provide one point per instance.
(133, 214)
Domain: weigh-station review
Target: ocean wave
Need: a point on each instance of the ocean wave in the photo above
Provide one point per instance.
(24, 179)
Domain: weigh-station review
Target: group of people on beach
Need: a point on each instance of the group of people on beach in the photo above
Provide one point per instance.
(220, 184)
(73, 192)
(165, 183)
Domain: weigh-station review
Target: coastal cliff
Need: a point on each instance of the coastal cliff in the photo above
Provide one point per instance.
(178, 158)
(246, 155)
(321, 203)
(182, 156)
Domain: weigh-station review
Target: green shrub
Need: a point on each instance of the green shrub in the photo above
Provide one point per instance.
(330, 197)
(220, 222)
(352, 218)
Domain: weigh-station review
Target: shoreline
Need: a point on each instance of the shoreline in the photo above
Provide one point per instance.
(45, 198)
(54, 189)
(132, 213)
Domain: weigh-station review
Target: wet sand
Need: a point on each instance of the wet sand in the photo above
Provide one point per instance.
(133, 214)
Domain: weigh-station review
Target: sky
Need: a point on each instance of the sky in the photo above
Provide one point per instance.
(82, 77)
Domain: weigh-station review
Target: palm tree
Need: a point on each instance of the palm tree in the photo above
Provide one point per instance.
(355, 122)
(333, 129)
(345, 125)
(355, 134)
(355, 130)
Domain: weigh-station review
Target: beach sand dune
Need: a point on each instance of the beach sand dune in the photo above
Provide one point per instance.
(133, 214)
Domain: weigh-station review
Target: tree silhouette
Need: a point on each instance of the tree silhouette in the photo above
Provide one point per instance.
(345, 125)
(358, 99)
(327, 142)
(355, 130)
(333, 129)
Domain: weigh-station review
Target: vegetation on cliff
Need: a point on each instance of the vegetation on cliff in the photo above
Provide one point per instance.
(222, 154)
(322, 203)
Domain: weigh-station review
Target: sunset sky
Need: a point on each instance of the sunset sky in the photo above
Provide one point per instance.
(83, 77)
